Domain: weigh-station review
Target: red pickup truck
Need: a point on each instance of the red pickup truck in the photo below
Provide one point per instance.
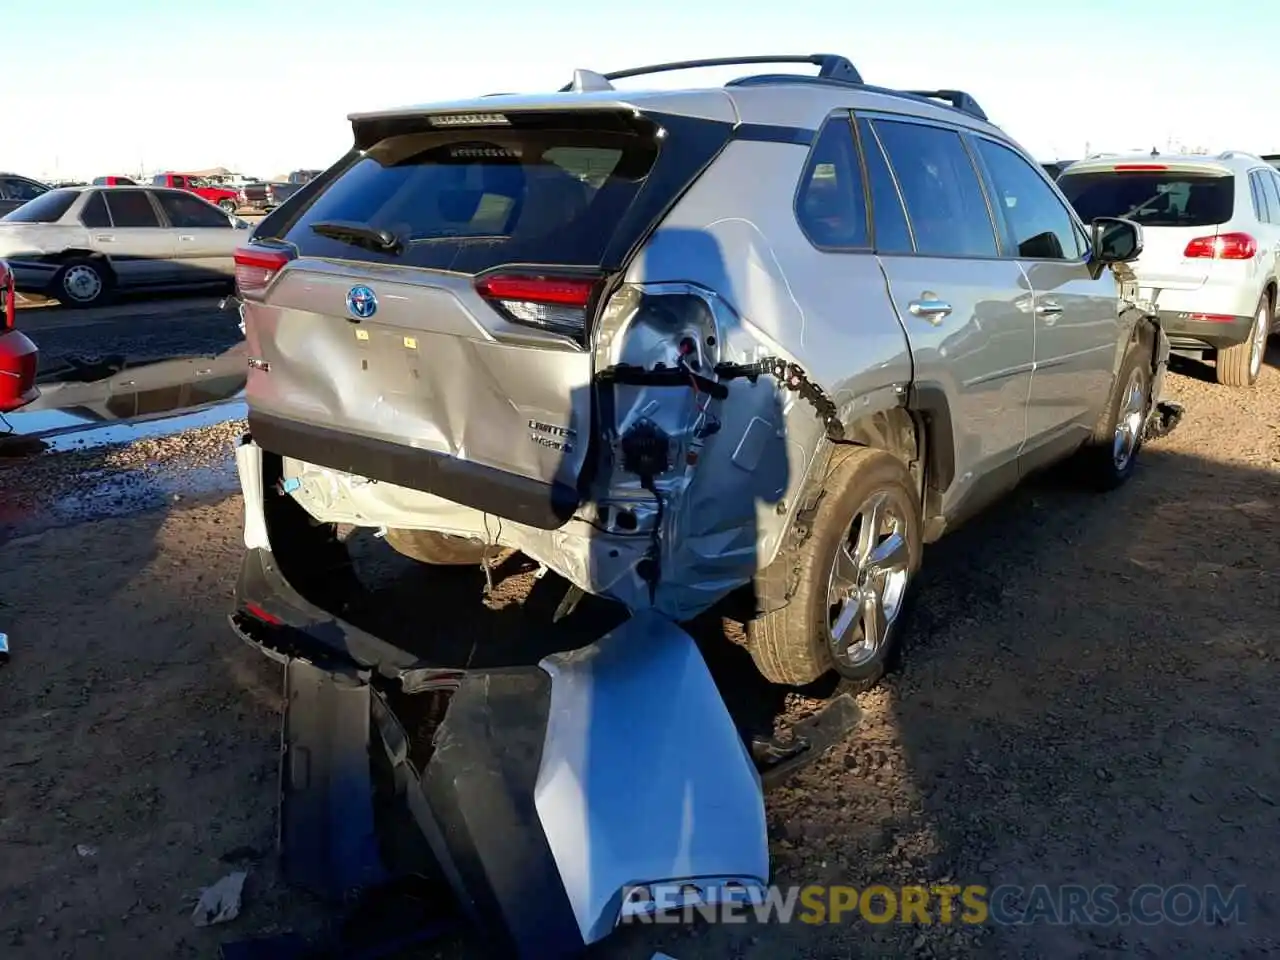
(228, 200)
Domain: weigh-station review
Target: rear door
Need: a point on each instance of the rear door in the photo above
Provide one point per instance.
(1076, 317)
(204, 238)
(1175, 204)
(966, 309)
(139, 245)
(456, 363)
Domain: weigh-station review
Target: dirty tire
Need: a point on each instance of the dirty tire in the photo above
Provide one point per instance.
(437, 549)
(1235, 366)
(1098, 464)
(790, 646)
(82, 282)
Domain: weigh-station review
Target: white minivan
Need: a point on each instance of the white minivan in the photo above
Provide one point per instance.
(1211, 231)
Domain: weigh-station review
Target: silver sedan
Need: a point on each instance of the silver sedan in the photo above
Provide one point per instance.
(81, 244)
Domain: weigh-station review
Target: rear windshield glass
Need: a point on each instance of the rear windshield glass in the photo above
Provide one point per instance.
(46, 208)
(1151, 198)
(469, 201)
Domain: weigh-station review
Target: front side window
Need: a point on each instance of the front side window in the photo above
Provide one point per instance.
(831, 206)
(941, 189)
(1037, 225)
(189, 211)
(15, 188)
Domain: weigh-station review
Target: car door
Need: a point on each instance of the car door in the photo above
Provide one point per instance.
(1269, 243)
(138, 243)
(1076, 317)
(965, 308)
(204, 238)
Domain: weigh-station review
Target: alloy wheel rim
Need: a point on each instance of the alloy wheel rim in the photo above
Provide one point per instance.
(82, 283)
(1129, 423)
(868, 582)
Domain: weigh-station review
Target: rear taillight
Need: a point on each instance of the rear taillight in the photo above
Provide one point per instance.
(1227, 246)
(556, 304)
(257, 266)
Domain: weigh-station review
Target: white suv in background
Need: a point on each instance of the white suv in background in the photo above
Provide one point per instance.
(1211, 227)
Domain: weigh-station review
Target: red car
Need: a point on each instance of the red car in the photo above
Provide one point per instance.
(228, 200)
(18, 355)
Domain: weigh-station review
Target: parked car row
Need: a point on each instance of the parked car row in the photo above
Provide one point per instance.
(82, 244)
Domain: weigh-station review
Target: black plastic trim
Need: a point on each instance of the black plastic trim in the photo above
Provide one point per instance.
(546, 506)
(931, 401)
(771, 133)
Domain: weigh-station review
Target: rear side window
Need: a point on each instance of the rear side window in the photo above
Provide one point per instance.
(831, 206)
(945, 203)
(1153, 198)
(131, 208)
(889, 220)
(470, 200)
(94, 212)
(46, 208)
(1038, 226)
(1271, 189)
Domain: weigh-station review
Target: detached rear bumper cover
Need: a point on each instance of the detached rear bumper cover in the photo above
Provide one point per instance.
(553, 792)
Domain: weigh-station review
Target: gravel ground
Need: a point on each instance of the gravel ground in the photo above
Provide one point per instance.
(1090, 695)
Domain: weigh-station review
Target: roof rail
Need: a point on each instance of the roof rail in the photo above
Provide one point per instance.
(955, 98)
(830, 67)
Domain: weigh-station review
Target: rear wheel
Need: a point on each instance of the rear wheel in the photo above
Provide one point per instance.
(1112, 455)
(1240, 365)
(853, 577)
(437, 549)
(81, 282)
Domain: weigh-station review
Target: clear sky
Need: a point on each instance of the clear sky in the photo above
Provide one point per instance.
(94, 87)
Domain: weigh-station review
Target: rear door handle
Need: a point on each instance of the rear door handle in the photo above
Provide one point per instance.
(105, 238)
(1048, 311)
(930, 308)
(188, 238)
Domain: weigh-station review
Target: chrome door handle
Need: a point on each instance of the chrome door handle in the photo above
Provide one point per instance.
(930, 308)
(1048, 311)
(186, 238)
(105, 238)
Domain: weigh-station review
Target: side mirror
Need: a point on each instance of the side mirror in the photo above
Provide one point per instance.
(1116, 240)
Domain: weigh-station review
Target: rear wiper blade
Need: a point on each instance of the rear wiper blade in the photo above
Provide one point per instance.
(360, 234)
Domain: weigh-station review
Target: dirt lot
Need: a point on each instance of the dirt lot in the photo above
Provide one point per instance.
(1091, 695)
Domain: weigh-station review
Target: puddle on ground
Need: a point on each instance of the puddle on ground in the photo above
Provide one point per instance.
(149, 400)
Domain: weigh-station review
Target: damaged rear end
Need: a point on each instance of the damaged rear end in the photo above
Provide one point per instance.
(444, 339)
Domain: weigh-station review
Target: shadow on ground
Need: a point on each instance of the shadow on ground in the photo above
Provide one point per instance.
(1090, 695)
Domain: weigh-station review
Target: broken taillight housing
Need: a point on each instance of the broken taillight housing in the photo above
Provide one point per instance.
(1225, 246)
(257, 266)
(18, 355)
(558, 304)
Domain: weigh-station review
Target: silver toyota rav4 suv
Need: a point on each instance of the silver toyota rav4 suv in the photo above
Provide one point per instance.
(778, 334)
(763, 340)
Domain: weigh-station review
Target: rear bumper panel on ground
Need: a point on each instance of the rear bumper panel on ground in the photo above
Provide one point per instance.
(543, 792)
